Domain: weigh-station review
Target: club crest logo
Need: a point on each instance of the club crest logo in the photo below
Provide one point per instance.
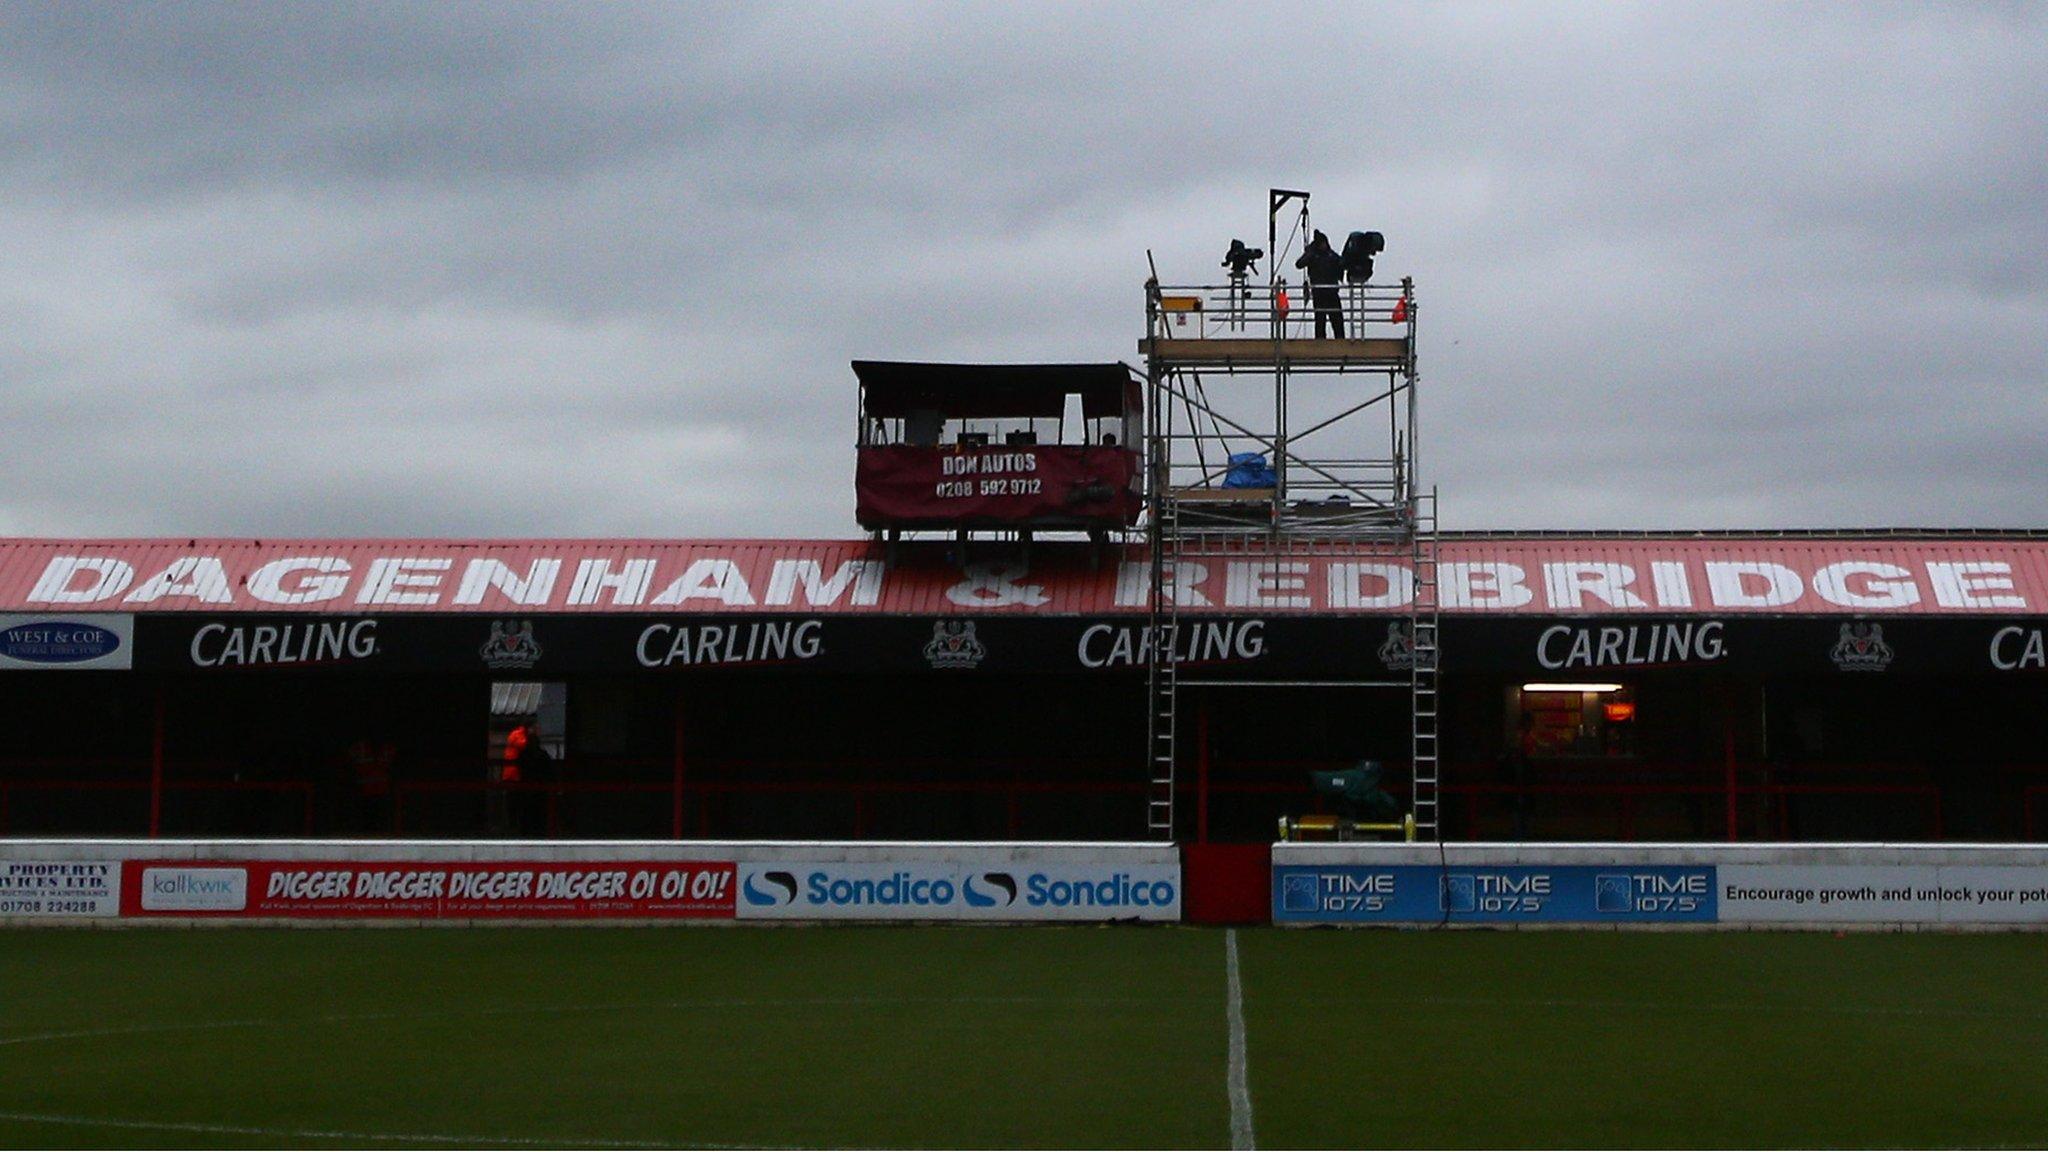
(953, 645)
(1861, 648)
(511, 645)
(1398, 652)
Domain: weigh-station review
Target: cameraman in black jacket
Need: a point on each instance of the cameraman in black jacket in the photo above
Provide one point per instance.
(1325, 271)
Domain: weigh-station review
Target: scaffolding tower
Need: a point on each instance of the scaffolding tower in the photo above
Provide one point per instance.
(1268, 445)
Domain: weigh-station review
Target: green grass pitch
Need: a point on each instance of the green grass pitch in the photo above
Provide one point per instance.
(1034, 1037)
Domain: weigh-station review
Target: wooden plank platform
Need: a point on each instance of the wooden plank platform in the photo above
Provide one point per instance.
(1223, 495)
(1368, 352)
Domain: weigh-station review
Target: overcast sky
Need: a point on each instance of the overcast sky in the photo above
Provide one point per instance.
(488, 270)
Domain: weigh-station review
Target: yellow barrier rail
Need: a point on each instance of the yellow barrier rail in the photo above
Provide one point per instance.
(1298, 828)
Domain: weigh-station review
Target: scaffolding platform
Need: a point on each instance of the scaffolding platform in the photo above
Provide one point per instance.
(1383, 353)
(1310, 446)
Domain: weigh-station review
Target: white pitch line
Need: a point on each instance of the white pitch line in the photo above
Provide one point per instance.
(351, 1137)
(516, 1010)
(713, 1005)
(1239, 1079)
(132, 1030)
(1717, 1009)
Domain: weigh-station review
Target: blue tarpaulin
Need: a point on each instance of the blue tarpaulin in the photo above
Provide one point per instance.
(1250, 470)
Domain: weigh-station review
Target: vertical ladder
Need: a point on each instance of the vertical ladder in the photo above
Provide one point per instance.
(1423, 619)
(1163, 670)
(1162, 633)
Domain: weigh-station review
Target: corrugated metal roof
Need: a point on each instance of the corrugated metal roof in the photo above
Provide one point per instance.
(1498, 574)
(896, 388)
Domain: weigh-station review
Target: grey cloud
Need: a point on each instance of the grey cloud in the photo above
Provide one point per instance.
(505, 269)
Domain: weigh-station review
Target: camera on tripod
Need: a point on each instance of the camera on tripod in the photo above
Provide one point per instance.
(1359, 249)
(1241, 259)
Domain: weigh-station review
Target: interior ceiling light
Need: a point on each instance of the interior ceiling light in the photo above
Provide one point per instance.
(1571, 687)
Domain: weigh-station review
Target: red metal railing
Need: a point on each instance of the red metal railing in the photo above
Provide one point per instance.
(147, 788)
(1627, 796)
(861, 793)
(1274, 778)
(2027, 797)
(687, 803)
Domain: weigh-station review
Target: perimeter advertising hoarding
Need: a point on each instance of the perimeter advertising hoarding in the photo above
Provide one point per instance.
(997, 888)
(1814, 885)
(422, 890)
(1481, 894)
(1877, 894)
(752, 881)
(38, 888)
(339, 881)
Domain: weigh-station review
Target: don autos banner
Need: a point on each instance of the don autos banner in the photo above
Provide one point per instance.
(905, 485)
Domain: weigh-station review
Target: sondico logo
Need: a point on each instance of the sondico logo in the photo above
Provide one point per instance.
(775, 889)
(1117, 890)
(990, 890)
(195, 889)
(896, 890)
(981, 891)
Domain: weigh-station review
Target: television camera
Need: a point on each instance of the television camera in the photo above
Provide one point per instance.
(1241, 259)
(1364, 809)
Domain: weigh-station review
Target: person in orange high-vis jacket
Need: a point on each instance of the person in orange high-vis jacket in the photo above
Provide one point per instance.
(515, 748)
(498, 808)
